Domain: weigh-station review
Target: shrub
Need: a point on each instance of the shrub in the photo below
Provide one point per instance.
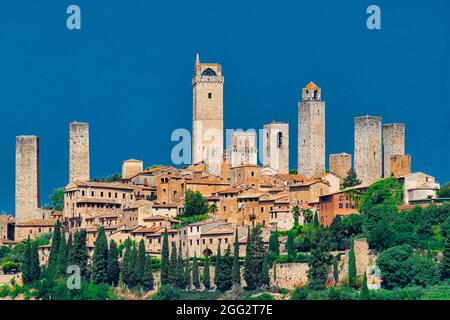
(300, 293)
(263, 296)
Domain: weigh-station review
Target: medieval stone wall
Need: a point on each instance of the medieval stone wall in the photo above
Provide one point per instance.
(79, 151)
(340, 164)
(393, 144)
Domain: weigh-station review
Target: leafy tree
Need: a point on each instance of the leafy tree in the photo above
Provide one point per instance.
(445, 263)
(147, 277)
(206, 278)
(290, 246)
(116, 177)
(352, 265)
(265, 279)
(236, 271)
(195, 274)
(56, 238)
(113, 269)
(62, 256)
(308, 215)
(444, 191)
(57, 199)
(338, 235)
(165, 259)
(194, 204)
(254, 260)
(139, 267)
(212, 208)
(296, 213)
(319, 260)
(364, 294)
(351, 180)
(100, 258)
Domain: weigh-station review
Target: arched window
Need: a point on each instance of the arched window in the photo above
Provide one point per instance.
(316, 94)
(209, 73)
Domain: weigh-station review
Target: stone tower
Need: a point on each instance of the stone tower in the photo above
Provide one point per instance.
(368, 152)
(340, 164)
(131, 167)
(311, 132)
(276, 146)
(400, 165)
(79, 151)
(393, 144)
(243, 148)
(27, 178)
(207, 118)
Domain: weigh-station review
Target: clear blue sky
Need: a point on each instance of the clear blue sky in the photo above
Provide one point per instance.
(128, 73)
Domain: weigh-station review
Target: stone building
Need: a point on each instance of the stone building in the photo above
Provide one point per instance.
(368, 151)
(340, 164)
(33, 228)
(249, 174)
(311, 131)
(27, 178)
(276, 146)
(7, 225)
(207, 124)
(131, 168)
(243, 148)
(393, 144)
(400, 165)
(418, 186)
(78, 151)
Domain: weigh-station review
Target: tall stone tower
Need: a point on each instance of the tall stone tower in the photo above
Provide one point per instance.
(243, 148)
(131, 167)
(393, 144)
(79, 151)
(340, 164)
(311, 131)
(276, 146)
(368, 152)
(27, 178)
(207, 118)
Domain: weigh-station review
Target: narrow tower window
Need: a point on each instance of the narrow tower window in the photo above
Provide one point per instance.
(280, 139)
(209, 95)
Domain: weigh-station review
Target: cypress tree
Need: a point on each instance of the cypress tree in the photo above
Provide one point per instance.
(225, 277)
(254, 260)
(218, 268)
(195, 274)
(364, 294)
(165, 259)
(352, 265)
(113, 269)
(35, 269)
(147, 278)
(316, 219)
(132, 280)
(335, 271)
(70, 249)
(27, 277)
(80, 252)
(179, 277)
(319, 260)
(274, 246)
(173, 265)
(62, 256)
(290, 246)
(100, 258)
(126, 264)
(236, 269)
(187, 274)
(445, 263)
(56, 238)
(265, 279)
(206, 278)
(140, 262)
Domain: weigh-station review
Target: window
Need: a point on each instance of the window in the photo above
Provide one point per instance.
(210, 241)
(92, 193)
(209, 95)
(253, 174)
(280, 139)
(340, 205)
(101, 194)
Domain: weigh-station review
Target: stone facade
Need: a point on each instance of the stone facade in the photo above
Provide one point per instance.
(131, 167)
(27, 178)
(79, 151)
(368, 151)
(340, 164)
(400, 165)
(207, 125)
(393, 144)
(276, 146)
(311, 132)
(243, 148)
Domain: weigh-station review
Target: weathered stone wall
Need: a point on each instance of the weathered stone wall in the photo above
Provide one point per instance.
(131, 167)
(276, 146)
(368, 151)
(393, 144)
(289, 275)
(311, 133)
(340, 164)
(27, 178)
(79, 151)
(243, 148)
(400, 165)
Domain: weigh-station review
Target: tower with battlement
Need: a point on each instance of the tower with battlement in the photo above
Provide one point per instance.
(276, 146)
(27, 178)
(368, 151)
(311, 131)
(207, 117)
(79, 151)
(393, 144)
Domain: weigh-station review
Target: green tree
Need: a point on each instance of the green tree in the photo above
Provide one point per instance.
(274, 246)
(224, 276)
(338, 236)
(132, 280)
(206, 278)
(316, 219)
(173, 265)
(126, 262)
(179, 270)
(265, 279)
(194, 203)
(218, 266)
(165, 259)
(236, 271)
(187, 273)
(27, 277)
(319, 260)
(35, 269)
(444, 191)
(351, 180)
(56, 238)
(113, 269)
(195, 274)
(296, 213)
(254, 259)
(57, 199)
(291, 251)
(335, 270)
(307, 215)
(139, 267)
(70, 249)
(62, 256)
(147, 277)
(445, 263)
(352, 265)
(100, 258)
(80, 254)
(364, 294)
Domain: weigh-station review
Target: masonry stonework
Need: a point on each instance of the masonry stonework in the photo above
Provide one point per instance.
(79, 151)
(131, 167)
(243, 148)
(368, 151)
(27, 178)
(276, 146)
(400, 165)
(311, 132)
(340, 164)
(393, 144)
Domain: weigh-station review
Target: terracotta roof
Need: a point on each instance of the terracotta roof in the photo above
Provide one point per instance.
(146, 230)
(106, 185)
(312, 85)
(156, 217)
(37, 223)
(362, 186)
(295, 177)
(207, 180)
(219, 231)
(308, 182)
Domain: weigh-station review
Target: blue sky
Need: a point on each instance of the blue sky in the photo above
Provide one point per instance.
(128, 73)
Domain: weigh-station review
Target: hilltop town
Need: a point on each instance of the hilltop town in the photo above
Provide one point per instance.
(147, 202)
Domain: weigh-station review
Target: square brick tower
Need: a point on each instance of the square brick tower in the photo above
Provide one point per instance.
(393, 144)
(311, 132)
(207, 117)
(340, 164)
(276, 146)
(27, 178)
(79, 151)
(368, 152)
